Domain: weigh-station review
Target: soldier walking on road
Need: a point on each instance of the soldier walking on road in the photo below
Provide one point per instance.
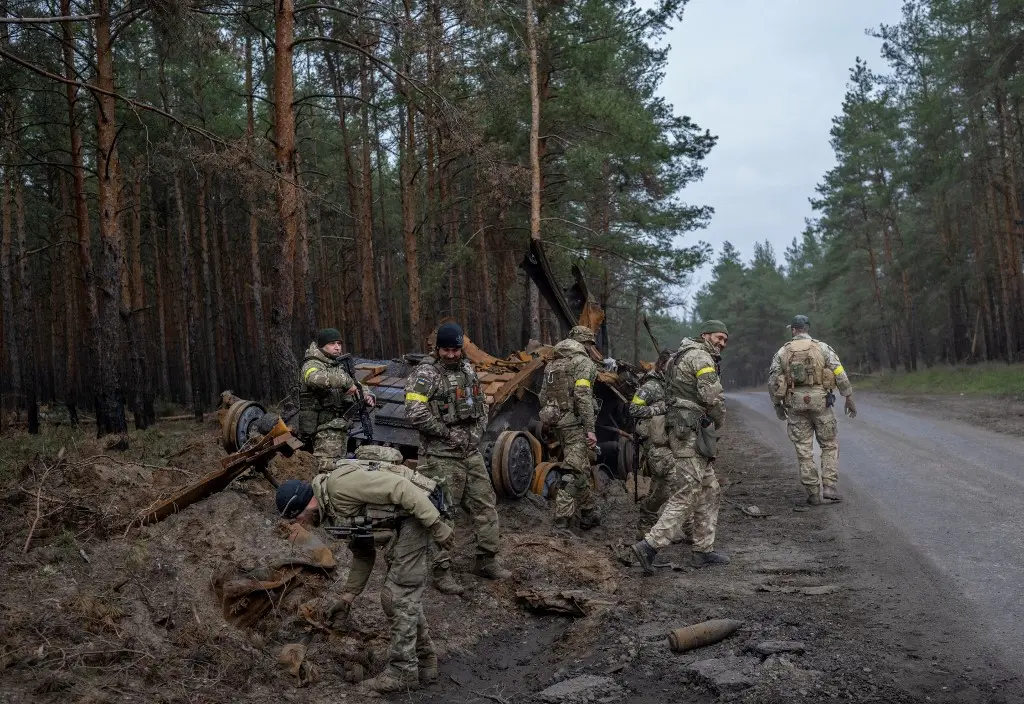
(445, 402)
(567, 406)
(696, 409)
(327, 393)
(801, 381)
(376, 490)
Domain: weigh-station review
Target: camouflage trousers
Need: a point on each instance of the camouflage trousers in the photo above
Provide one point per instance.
(659, 465)
(401, 596)
(695, 501)
(364, 555)
(329, 446)
(803, 427)
(471, 489)
(575, 492)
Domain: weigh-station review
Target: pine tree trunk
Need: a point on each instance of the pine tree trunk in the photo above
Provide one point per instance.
(160, 245)
(28, 321)
(370, 318)
(6, 280)
(110, 410)
(256, 314)
(531, 40)
(193, 369)
(81, 214)
(135, 306)
(282, 311)
(407, 156)
(213, 345)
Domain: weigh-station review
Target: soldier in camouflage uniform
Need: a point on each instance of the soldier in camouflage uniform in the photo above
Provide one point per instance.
(567, 406)
(397, 502)
(695, 404)
(445, 402)
(801, 379)
(648, 409)
(327, 393)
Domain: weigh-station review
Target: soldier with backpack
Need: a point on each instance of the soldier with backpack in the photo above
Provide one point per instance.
(801, 382)
(695, 411)
(567, 406)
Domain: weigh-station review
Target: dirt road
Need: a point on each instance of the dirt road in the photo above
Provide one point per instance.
(933, 490)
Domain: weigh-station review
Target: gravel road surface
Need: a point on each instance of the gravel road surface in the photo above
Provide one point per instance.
(933, 491)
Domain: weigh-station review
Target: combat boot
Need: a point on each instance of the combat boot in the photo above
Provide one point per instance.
(708, 559)
(392, 680)
(488, 568)
(561, 523)
(428, 670)
(445, 583)
(829, 493)
(645, 553)
(814, 496)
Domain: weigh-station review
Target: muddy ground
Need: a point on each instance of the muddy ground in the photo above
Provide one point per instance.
(94, 608)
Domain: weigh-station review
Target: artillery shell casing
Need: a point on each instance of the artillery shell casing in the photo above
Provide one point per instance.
(700, 634)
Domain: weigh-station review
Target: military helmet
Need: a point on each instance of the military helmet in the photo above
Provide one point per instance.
(800, 321)
(581, 333)
(379, 453)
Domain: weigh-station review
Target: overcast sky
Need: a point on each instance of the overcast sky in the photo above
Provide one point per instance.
(766, 76)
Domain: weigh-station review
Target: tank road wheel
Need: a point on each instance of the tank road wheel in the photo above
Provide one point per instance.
(512, 460)
(547, 477)
(234, 428)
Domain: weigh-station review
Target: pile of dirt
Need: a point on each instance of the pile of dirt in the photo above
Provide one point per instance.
(99, 609)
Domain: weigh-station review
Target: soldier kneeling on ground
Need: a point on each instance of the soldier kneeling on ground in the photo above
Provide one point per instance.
(375, 496)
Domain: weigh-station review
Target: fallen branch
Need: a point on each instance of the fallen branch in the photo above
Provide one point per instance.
(39, 501)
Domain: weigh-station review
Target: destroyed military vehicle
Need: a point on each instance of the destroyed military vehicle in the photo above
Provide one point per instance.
(520, 454)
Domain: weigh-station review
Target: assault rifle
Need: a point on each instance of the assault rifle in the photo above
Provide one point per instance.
(360, 527)
(363, 410)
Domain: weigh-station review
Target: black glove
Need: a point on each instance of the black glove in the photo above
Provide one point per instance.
(780, 411)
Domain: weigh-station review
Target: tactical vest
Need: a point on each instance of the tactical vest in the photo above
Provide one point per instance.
(319, 407)
(680, 385)
(459, 398)
(556, 391)
(803, 365)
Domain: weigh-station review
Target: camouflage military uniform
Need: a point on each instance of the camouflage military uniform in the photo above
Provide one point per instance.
(648, 409)
(567, 406)
(808, 411)
(447, 405)
(323, 404)
(395, 496)
(695, 393)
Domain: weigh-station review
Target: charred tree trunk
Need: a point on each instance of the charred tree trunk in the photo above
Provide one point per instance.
(110, 407)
